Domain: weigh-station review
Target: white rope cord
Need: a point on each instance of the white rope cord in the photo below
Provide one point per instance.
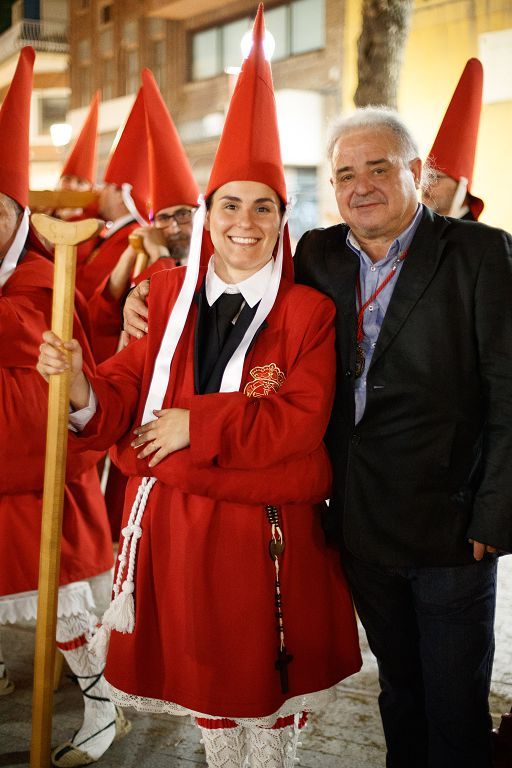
(458, 198)
(120, 615)
(126, 194)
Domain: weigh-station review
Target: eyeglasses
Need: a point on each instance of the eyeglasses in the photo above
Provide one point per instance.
(181, 216)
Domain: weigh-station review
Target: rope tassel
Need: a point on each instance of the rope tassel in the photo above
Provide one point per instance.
(120, 615)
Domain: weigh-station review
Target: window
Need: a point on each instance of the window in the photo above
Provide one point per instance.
(158, 58)
(277, 22)
(302, 189)
(206, 54)
(307, 25)
(130, 32)
(84, 85)
(84, 51)
(106, 14)
(297, 27)
(131, 71)
(108, 77)
(155, 27)
(53, 109)
(106, 41)
(231, 36)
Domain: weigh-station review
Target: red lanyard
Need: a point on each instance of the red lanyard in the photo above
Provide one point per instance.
(389, 276)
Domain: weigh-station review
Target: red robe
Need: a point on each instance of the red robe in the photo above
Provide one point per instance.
(25, 312)
(205, 628)
(102, 259)
(105, 314)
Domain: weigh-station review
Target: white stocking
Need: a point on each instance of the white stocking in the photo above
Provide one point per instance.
(273, 747)
(98, 728)
(224, 747)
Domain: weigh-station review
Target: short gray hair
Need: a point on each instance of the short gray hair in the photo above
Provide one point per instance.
(375, 117)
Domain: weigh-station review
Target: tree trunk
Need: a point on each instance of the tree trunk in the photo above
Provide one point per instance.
(380, 50)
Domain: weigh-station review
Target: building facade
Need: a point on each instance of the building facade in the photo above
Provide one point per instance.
(42, 24)
(192, 45)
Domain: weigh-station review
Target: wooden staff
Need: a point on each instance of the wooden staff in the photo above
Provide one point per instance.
(142, 258)
(61, 198)
(65, 236)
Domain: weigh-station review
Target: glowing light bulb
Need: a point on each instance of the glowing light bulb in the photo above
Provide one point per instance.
(269, 44)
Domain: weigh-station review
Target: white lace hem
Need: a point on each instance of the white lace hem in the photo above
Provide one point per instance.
(73, 599)
(309, 702)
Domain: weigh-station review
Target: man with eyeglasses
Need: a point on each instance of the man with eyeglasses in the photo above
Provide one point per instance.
(173, 194)
(166, 243)
(451, 160)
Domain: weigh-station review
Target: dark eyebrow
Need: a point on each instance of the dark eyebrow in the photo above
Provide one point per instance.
(346, 168)
(234, 199)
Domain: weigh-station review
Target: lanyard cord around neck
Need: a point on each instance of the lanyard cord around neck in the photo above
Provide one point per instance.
(363, 307)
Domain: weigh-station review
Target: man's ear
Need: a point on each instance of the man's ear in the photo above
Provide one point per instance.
(332, 183)
(207, 221)
(416, 166)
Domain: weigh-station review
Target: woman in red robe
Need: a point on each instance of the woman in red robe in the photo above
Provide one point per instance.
(228, 604)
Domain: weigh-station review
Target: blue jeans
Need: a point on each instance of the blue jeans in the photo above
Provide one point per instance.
(431, 630)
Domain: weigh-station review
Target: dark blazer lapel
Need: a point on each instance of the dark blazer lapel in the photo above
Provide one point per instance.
(343, 267)
(417, 271)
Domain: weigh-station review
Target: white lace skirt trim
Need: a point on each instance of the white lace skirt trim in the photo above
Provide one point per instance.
(73, 598)
(309, 702)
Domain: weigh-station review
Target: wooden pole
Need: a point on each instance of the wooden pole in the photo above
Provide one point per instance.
(61, 198)
(65, 236)
(142, 258)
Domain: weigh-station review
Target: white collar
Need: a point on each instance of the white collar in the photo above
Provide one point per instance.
(10, 260)
(115, 226)
(252, 289)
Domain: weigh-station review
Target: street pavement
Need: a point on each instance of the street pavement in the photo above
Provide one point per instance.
(347, 734)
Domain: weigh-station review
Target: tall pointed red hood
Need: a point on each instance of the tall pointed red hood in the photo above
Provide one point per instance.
(14, 130)
(171, 179)
(81, 161)
(454, 148)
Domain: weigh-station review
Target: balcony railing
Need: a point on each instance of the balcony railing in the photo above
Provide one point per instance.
(50, 36)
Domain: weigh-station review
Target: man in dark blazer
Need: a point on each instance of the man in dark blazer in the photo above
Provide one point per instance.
(420, 436)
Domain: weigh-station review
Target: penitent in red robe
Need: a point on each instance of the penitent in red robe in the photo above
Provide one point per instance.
(25, 312)
(205, 628)
(102, 259)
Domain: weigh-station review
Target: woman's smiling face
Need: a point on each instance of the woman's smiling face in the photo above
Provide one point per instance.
(243, 222)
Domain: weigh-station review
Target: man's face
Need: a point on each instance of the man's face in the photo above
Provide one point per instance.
(175, 224)
(110, 201)
(439, 194)
(74, 183)
(375, 190)
(9, 222)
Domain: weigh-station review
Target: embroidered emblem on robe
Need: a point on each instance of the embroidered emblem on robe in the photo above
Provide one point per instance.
(265, 380)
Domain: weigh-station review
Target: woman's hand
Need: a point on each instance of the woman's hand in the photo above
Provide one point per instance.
(168, 433)
(57, 356)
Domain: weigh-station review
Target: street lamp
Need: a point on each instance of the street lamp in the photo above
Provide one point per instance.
(269, 44)
(60, 134)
